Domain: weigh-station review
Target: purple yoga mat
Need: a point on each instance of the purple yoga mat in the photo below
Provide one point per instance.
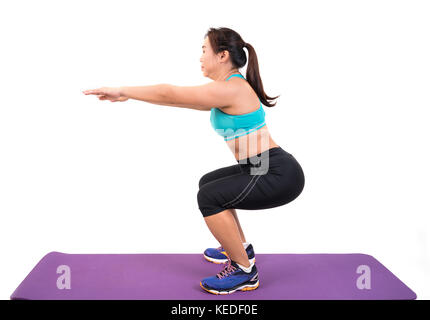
(60, 276)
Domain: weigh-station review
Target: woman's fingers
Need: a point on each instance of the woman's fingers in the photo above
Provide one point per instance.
(93, 91)
(105, 93)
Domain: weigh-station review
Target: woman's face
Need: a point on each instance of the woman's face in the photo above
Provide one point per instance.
(208, 58)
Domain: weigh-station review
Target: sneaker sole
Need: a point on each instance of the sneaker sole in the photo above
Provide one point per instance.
(246, 287)
(222, 261)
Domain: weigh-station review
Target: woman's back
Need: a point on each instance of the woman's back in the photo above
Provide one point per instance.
(243, 124)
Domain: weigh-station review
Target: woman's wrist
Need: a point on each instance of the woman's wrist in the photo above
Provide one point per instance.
(122, 92)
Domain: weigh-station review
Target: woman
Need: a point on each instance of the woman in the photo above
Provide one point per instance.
(265, 175)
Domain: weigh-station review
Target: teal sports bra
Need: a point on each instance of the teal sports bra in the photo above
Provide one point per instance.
(232, 126)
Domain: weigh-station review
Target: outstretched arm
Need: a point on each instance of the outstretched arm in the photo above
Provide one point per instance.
(216, 94)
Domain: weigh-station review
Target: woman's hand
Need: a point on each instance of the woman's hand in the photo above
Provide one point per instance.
(106, 93)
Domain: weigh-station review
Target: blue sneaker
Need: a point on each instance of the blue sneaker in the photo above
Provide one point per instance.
(231, 279)
(218, 255)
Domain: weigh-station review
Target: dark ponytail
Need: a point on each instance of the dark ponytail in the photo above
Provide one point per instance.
(227, 39)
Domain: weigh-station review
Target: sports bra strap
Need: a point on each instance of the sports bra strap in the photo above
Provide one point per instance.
(235, 75)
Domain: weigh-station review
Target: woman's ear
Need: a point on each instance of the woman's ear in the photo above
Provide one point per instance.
(224, 56)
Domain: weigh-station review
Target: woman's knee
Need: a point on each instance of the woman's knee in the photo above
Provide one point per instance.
(204, 198)
(206, 202)
(203, 180)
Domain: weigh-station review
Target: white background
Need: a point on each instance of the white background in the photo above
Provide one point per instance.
(80, 175)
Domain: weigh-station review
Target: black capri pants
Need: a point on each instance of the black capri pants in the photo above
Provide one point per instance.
(267, 180)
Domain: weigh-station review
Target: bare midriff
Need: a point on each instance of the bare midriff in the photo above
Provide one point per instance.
(251, 144)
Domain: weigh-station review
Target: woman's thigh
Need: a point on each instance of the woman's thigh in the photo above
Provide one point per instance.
(219, 173)
(282, 183)
(224, 193)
